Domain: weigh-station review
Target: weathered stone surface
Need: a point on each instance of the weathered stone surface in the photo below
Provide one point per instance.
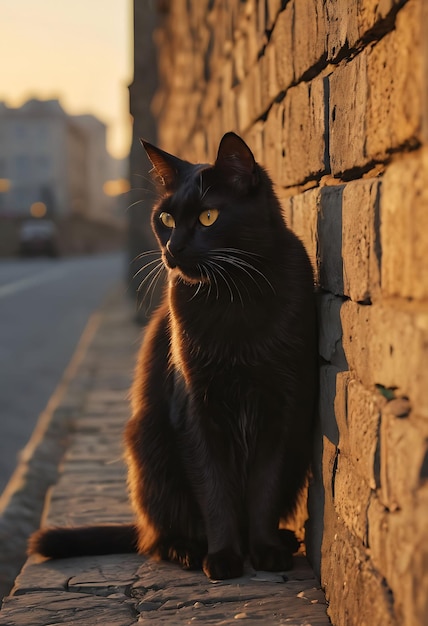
(309, 36)
(330, 330)
(62, 607)
(330, 239)
(282, 41)
(400, 471)
(394, 73)
(375, 99)
(351, 496)
(328, 376)
(349, 22)
(363, 421)
(347, 115)
(387, 345)
(360, 584)
(404, 228)
(303, 133)
(361, 249)
(305, 207)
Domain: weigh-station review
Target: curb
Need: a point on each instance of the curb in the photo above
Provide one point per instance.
(22, 501)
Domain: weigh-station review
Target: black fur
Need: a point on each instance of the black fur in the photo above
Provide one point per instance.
(218, 446)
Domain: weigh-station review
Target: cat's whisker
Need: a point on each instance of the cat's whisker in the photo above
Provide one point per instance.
(152, 287)
(212, 273)
(234, 262)
(205, 274)
(206, 191)
(219, 271)
(140, 201)
(152, 271)
(241, 263)
(154, 276)
(199, 285)
(239, 251)
(143, 254)
(236, 286)
(145, 266)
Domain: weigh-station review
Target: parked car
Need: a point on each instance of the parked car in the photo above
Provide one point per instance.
(38, 236)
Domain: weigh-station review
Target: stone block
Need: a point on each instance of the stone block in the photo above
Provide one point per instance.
(303, 133)
(357, 593)
(404, 227)
(272, 140)
(330, 239)
(341, 409)
(320, 499)
(282, 41)
(388, 345)
(328, 376)
(376, 99)
(330, 330)
(273, 8)
(394, 74)
(305, 208)
(363, 420)
(342, 19)
(249, 99)
(399, 549)
(349, 91)
(309, 36)
(243, 105)
(268, 88)
(349, 23)
(360, 240)
(351, 496)
(403, 449)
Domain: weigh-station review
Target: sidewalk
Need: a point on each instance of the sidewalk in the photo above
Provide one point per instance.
(122, 590)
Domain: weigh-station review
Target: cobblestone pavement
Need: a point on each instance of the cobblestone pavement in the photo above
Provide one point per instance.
(122, 590)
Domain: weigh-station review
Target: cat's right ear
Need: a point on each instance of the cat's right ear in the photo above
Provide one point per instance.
(166, 167)
(236, 162)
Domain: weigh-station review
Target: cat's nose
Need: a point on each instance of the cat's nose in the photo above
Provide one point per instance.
(174, 248)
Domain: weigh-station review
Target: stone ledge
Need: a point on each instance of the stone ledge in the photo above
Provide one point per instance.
(122, 590)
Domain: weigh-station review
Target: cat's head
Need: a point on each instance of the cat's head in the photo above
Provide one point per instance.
(212, 219)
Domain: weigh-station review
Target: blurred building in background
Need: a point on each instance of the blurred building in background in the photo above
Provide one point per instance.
(54, 165)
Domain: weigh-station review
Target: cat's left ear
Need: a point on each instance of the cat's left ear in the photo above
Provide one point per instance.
(167, 167)
(236, 162)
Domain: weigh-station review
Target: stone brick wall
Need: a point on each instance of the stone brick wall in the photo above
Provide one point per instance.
(332, 97)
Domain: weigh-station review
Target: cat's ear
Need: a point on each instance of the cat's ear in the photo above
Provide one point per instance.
(166, 167)
(236, 162)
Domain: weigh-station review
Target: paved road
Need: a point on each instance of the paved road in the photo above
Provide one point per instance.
(44, 307)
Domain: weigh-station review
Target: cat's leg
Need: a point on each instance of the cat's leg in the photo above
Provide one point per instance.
(220, 499)
(224, 558)
(274, 484)
(167, 516)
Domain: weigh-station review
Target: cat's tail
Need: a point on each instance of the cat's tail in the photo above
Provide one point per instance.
(61, 543)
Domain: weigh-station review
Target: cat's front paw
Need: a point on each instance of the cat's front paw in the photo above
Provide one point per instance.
(271, 558)
(223, 564)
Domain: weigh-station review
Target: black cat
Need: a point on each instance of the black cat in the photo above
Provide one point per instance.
(219, 443)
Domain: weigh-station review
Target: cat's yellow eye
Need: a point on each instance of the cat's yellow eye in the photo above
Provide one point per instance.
(167, 220)
(208, 217)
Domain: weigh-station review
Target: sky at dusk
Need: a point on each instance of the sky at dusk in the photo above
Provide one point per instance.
(78, 51)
